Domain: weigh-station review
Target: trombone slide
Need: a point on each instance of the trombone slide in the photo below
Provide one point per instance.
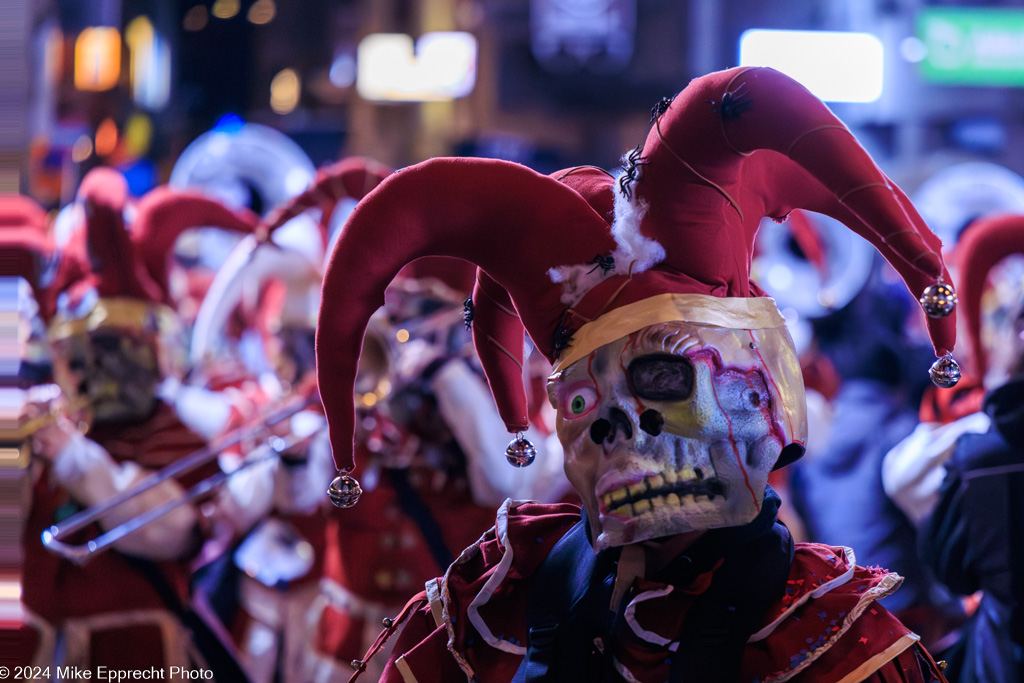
(54, 538)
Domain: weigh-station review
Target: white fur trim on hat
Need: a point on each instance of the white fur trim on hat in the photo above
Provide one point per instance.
(634, 253)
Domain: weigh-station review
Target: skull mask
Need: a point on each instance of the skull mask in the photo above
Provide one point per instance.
(675, 427)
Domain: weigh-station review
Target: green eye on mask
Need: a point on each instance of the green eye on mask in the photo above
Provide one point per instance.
(579, 404)
(578, 401)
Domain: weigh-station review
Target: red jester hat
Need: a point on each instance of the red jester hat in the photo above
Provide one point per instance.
(676, 384)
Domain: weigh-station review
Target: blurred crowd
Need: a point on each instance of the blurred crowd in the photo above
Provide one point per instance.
(167, 363)
(167, 358)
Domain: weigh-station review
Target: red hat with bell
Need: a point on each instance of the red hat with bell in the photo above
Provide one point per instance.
(110, 274)
(352, 177)
(257, 261)
(733, 147)
(25, 242)
(983, 246)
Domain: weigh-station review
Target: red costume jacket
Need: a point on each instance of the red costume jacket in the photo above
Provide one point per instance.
(107, 585)
(379, 553)
(471, 623)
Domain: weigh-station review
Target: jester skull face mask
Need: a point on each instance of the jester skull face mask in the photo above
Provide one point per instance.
(676, 427)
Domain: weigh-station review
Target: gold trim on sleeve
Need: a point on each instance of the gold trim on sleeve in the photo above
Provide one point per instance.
(878, 661)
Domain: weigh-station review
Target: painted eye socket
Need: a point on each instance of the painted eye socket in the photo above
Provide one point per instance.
(661, 377)
(742, 391)
(579, 400)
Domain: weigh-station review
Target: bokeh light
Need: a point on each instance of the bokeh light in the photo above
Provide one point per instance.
(285, 91)
(225, 9)
(196, 18)
(262, 12)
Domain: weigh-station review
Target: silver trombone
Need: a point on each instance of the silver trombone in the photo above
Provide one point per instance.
(79, 554)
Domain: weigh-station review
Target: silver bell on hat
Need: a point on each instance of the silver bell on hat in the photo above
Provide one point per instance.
(945, 372)
(344, 491)
(938, 300)
(520, 451)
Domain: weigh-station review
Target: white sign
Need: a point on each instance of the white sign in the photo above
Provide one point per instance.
(835, 66)
(440, 67)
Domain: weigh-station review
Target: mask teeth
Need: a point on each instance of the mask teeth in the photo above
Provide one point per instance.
(671, 487)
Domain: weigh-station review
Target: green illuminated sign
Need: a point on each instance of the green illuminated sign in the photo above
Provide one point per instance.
(972, 46)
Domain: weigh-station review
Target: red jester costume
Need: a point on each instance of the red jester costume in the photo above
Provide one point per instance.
(285, 552)
(421, 411)
(677, 390)
(112, 333)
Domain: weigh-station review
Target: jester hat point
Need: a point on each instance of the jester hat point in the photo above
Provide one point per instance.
(25, 241)
(260, 258)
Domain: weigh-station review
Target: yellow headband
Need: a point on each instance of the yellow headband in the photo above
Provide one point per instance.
(124, 313)
(738, 313)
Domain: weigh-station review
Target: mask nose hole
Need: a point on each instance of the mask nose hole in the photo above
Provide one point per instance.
(606, 429)
(600, 430)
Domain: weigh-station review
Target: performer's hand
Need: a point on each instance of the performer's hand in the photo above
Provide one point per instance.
(49, 439)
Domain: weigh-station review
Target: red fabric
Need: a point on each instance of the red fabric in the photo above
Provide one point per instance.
(533, 530)
(73, 271)
(353, 177)
(17, 211)
(58, 589)
(109, 261)
(104, 254)
(820, 374)
(594, 185)
(269, 306)
(24, 241)
(709, 176)
(467, 208)
(822, 618)
(498, 335)
(422, 645)
(24, 252)
(136, 647)
(377, 552)
(987, 242)
(394, 560)
(164, 213)
(357, 175)
(104, 184)
(340, 635)
(724, 147)
(805, 633)
(72, 267)
(498, 332)
(154, 443)
(768, 161)
(913, 665)
(949, 405)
